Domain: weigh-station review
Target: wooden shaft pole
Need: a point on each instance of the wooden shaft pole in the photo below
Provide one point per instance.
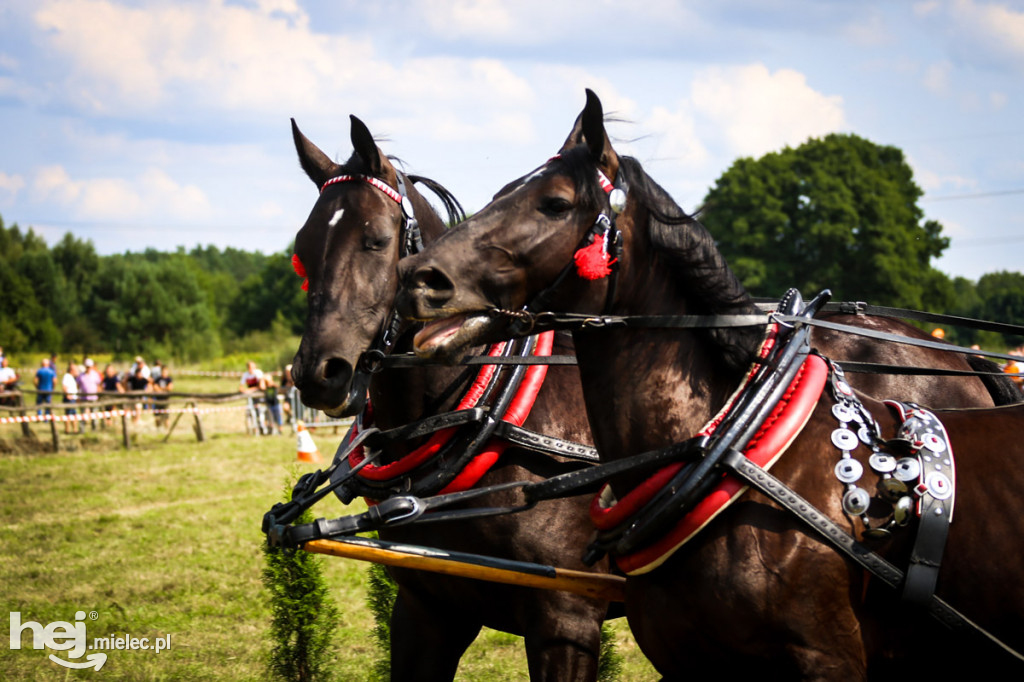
(596, 585)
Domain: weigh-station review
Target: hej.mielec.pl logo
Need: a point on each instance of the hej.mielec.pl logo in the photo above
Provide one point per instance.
(71, 637)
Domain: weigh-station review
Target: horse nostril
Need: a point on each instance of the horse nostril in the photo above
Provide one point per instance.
(335, 367)
(436, 285)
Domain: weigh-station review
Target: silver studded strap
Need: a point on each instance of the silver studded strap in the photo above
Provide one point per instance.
(927, 440)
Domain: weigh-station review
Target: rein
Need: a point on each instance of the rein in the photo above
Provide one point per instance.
(579, 321)
(703, 460)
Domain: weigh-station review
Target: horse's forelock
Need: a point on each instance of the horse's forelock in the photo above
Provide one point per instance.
(579, 165)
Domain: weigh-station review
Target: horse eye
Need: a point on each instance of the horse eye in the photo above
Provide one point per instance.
(556, 207)
(376, 242)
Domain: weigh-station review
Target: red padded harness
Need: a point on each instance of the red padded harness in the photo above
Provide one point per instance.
(518, 411)
(776, 433)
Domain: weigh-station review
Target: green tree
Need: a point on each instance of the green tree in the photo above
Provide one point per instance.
(156, 307)
(272, 293)
(838, 212)
(305, 616)
(1001, 298)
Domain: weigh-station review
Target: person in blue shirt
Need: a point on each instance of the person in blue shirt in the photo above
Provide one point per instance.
(45, 377)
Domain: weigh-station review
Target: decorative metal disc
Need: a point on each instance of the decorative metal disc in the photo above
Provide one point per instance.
(882, 463)
(844, 439)
(939, 485)
(907, 469)
(617, 199)
(856, 501)
(877, 533)
(844, 387)
(902, 510)
(843, 412)
(849, 470)
(892, 487)
(865, 435)
(933, 442)
(407, 207)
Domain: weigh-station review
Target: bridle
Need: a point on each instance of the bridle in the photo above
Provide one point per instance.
(371, 361)
(603, 229)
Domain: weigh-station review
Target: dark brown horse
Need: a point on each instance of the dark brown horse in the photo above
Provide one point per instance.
(754, 592)
(349, 249)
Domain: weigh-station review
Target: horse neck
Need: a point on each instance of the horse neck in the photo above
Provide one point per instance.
(401, 396)
(646, 387)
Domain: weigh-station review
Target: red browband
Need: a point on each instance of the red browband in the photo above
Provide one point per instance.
(379, 184)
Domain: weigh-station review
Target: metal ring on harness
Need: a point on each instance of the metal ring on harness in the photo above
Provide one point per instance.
(372, 361)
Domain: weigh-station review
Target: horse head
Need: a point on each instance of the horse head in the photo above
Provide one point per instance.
(347, 251)
(507, 256)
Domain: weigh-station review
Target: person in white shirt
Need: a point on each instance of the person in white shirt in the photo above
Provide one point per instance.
(70, 385)
(252, 378)
(8, 382)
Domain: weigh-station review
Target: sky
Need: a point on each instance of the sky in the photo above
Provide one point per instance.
(149, 123)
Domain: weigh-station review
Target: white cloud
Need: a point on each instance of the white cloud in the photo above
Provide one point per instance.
(10, 185)
(758, 111)
(542, 22)
(996, 27)
(152, 194)
(677, 138)
(213, 55)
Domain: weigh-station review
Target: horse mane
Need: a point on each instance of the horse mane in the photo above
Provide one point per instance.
(700, 269)
(456, 214)
(703, 277)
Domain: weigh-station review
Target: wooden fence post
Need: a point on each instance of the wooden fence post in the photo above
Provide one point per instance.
(124, 429)
(53, 431)
(198, 426)
(25, 429)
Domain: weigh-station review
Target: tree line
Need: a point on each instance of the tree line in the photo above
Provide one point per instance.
(839, 212)
(187, 305)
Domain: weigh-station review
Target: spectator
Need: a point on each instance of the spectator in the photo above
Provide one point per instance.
(273, 404)
(288, 388)
(8, 382)
(89, 381)
(70, 385)
(252, 378)
(158, 369)
(140, 363)
(111, 384)
(1015, 367)
(138, 382)
(45, 378)
(162, 384)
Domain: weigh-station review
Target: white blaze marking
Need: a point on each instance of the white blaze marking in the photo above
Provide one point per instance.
(336, 217)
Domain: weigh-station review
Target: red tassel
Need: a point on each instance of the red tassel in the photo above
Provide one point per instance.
(300, 269)
(592, 262)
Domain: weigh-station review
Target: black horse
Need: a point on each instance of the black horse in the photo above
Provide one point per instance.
(348, 251)
(753, 592)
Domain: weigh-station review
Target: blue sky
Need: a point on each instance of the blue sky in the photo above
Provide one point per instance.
(155, 124)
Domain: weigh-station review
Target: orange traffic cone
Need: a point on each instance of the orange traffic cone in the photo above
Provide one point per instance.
(308, 451)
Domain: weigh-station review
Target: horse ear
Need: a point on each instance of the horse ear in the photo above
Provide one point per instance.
(591, 121)
(365, 147)
(575, 135)
(318, 166)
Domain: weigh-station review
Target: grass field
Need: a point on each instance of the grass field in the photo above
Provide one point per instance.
(164, 539)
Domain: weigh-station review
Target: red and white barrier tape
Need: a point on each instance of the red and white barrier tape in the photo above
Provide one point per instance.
(107, 414)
